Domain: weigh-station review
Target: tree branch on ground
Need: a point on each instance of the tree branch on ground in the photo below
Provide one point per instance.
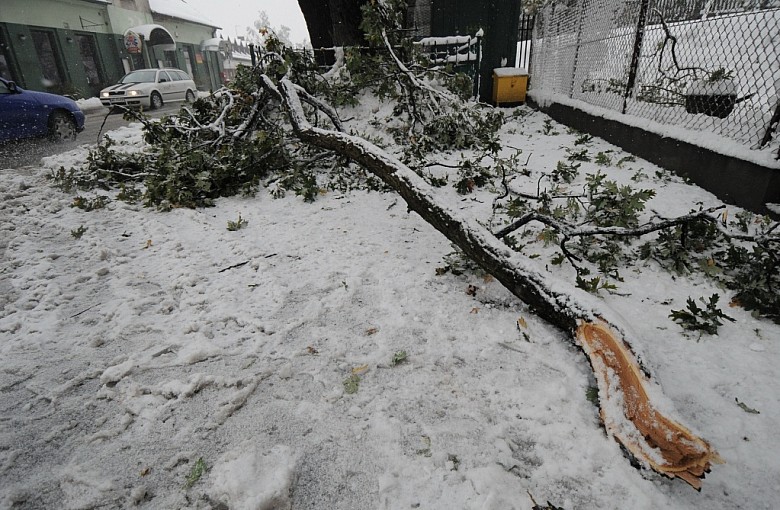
(277, 141)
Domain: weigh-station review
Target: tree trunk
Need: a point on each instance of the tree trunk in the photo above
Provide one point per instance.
(626, 410)
(318, 21)
(333, 22)
(347, 16)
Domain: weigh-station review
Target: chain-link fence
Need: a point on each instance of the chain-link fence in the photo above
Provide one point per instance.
(708, 66)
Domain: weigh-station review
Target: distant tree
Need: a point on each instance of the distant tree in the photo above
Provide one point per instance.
(262, 27)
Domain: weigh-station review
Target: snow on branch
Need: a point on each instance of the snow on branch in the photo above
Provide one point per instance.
(627, 410)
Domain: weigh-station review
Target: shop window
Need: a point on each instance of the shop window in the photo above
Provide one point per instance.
(5, 59)
(5, 68)
(51, 67)
(170, 58)
(137, 60)
(89, 60)
(188, 61)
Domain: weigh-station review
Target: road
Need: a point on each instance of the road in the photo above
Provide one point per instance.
(29, 152)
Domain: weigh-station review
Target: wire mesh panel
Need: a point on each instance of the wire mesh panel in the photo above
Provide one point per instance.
(606, 39)
(555, 45)
(704, 65)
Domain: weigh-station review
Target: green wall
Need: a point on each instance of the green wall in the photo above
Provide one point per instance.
(28, 69)
(63, 14)
(25, 57)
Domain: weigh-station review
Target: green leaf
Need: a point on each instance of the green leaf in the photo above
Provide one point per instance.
(351, 384)
(196, 472)
(398, 358)
(745, 407)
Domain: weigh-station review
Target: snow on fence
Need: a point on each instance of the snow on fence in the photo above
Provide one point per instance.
(464, 52)
(708, 66)
(455, 49)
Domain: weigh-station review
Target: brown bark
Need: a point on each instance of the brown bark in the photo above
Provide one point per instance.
(651, 438)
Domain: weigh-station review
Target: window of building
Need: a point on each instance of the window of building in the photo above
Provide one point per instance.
(51, 68)
(170, 58)
(5, 59)
(137, 61)
(89, 60)
(5, 69)
(187, 60)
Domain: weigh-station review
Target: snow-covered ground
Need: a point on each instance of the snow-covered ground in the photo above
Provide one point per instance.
(158, 339)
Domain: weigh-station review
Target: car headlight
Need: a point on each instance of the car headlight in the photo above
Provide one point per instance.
(104, 94)
(133, 93)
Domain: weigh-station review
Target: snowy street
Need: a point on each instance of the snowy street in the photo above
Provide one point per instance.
(314, 358)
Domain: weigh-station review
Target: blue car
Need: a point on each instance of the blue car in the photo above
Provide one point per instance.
(26, 114)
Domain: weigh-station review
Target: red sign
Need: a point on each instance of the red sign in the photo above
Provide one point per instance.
(132, 42)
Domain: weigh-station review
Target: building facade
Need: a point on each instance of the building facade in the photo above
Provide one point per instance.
(78, 47)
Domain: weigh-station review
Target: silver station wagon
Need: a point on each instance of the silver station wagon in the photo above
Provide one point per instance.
(150, 88)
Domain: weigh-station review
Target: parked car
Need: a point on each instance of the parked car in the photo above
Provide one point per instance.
(26, 114)
(150, 88)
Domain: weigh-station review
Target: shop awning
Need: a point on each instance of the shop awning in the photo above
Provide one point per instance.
(154, 35)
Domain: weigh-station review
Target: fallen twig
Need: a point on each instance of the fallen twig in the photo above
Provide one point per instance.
(84, 311)
(233, 266)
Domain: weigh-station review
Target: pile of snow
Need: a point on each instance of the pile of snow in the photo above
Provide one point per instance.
(90, 104)
(253, 479)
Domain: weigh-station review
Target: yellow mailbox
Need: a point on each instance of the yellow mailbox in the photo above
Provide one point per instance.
(509, 85)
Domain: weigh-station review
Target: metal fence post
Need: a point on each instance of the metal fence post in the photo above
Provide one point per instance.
(252, 54)
(583, 3)
(477, 72)
(640, 35)
(532, 25)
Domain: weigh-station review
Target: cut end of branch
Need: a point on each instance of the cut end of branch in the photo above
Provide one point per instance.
(630, 416)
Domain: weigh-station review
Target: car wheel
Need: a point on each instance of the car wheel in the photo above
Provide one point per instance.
(62, 128)
(190, 97)
(155, 101)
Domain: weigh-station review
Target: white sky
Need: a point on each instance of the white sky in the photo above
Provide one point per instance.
(234, 15)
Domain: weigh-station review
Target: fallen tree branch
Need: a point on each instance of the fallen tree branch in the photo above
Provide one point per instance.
(571, 231)
(629, 416)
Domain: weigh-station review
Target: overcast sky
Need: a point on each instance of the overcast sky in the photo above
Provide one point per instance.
(234, 15)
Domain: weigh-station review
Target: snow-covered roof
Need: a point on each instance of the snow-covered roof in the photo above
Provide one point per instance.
(237, 55)
(153, 34)
(212, 44)
(180, 9)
